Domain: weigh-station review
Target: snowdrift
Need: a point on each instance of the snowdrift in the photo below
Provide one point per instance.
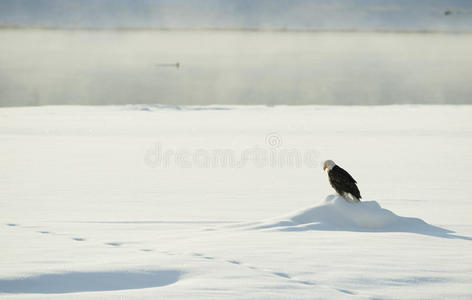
(334, 213)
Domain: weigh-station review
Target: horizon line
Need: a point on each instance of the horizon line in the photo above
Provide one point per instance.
(236, 29)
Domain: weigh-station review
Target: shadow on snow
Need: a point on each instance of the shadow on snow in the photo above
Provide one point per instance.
(74, 282)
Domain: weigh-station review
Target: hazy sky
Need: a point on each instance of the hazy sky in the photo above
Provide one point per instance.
(291, 14)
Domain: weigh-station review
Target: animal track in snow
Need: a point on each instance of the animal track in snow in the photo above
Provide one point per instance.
(346, 291)
(234, 262)
(239, 263)
(280, 274)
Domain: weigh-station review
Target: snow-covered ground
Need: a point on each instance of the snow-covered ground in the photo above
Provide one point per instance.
(137, 202)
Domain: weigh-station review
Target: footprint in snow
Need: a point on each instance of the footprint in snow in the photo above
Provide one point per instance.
(304, 282)
(12, 224)
(114, 244)
(202, 255)
(346, 291)
(280, 274)
(234, 262)
(78, 239)
(44, 232)
(286, 276)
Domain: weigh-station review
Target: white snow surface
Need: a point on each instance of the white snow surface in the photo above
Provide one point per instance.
(84, 215)
(335, 213)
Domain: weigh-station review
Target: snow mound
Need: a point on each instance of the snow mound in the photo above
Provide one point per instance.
(75, 282)
(334, 213)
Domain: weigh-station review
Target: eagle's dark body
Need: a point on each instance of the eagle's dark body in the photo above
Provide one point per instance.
(343, 182)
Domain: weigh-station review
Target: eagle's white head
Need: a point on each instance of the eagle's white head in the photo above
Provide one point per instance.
(329, 164)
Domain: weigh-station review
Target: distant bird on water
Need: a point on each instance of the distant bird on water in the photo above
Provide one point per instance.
(342, 182)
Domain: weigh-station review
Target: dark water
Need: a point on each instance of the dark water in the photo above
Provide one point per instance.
(40, 67)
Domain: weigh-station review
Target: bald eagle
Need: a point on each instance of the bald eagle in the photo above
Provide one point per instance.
(342, 182)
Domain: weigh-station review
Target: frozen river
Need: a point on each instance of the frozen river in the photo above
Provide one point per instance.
(93, 67)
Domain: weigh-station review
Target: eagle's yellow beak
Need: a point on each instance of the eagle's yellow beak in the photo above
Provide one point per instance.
(324, 168)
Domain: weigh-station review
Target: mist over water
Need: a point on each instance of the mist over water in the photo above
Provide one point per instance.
(99, 67)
